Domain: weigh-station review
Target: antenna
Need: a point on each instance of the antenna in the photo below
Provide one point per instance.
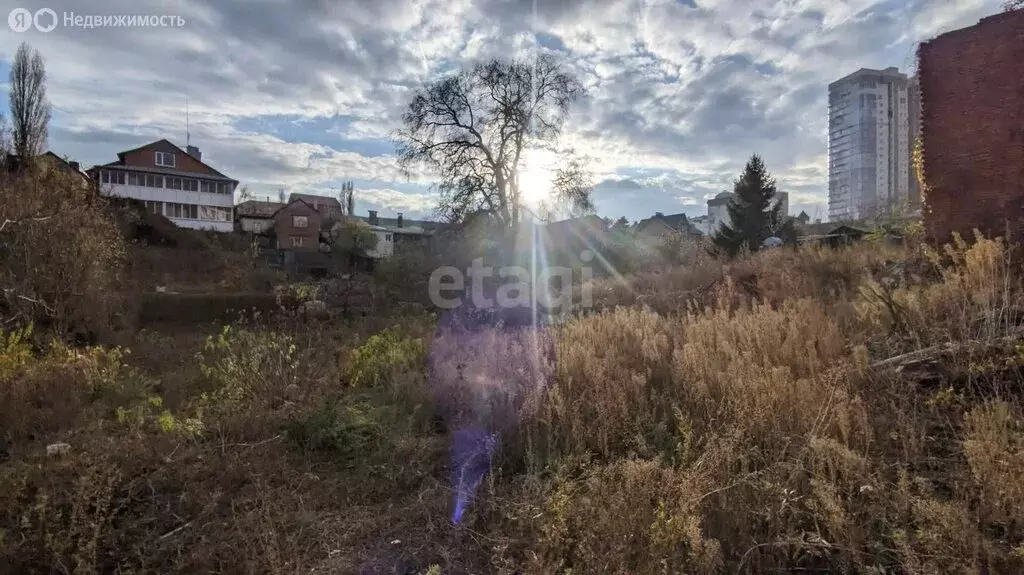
(188, 136)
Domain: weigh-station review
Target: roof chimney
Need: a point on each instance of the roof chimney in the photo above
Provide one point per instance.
(373, 217)
(399, 224)
(194, 152)
(75, 166)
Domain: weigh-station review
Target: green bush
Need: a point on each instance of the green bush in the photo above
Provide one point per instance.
(383, 357)
(243, 364)
(15, 351)
(332, 426)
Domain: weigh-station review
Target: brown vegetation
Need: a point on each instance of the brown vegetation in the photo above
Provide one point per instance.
(737, 418)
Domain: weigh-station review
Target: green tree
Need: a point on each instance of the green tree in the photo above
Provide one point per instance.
(754, 212)
(351, 236)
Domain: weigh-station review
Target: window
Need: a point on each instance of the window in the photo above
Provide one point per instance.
(136, 179)
(173, 183)
(165, 159)
(190, 185)
(300, 222)
(297, 241)
(154, 207)
(184, 211)
(112, 177)
(387, 237)
(154, 181)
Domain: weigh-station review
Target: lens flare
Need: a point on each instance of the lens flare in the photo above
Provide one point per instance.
(472, 449)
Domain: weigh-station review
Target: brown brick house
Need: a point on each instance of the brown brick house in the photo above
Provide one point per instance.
(297, 226)
(329, 207)
(972, 99)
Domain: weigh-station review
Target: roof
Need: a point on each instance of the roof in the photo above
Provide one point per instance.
(290, 202)
(12, 162)
(313, 199)
(577, 234)
(257, 209)
(392, 224)
(676, 222)
(721, 199)
(164, 171)
(166, 142)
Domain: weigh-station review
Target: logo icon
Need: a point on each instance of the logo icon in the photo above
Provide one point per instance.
(20, 19)
(40, 25)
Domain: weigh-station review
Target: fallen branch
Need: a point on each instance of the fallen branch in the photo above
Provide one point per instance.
(935, 351)
(175, 530)
(9, 221)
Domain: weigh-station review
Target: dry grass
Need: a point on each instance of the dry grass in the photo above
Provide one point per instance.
(710, 419)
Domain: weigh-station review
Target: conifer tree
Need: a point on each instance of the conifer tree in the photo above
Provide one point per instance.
(754, 213)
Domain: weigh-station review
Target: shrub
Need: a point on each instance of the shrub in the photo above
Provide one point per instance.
(245, 364)
(383, 357)
(15, 352)
(628, 517)
(349, 429)
(61, 256)
(994, 447)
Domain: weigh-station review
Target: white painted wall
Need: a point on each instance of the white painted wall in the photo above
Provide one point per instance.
(256, 225)
(168, 195)
(180, 197)
(385, 243)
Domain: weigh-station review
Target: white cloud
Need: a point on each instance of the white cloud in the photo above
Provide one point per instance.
(689, 92)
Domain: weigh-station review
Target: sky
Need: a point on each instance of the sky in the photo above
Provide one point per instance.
(303, 95)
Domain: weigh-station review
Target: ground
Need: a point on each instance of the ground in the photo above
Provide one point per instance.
(826, 410)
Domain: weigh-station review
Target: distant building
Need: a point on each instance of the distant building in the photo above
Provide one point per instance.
(394, 233)
(329, 207)
(783, 198)
(700, 223)
(972, 94)
(256, 216)
(50, 161)
(171, 182)
(718, 210)
(869, 144)
(297, 226)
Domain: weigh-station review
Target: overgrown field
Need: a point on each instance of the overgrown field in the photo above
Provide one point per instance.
(855, 410)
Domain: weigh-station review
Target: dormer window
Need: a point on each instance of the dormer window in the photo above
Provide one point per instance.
(165, 159)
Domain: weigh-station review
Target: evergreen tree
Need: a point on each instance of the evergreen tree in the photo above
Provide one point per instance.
(753, 212)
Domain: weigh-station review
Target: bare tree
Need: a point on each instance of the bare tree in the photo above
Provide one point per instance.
(30, 111)
(346, 198)
(473, 127)
(1013, 5)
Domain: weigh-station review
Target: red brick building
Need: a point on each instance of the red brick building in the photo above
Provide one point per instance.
(972, 99)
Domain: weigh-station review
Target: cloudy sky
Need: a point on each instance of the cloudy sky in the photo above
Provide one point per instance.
(304, 94)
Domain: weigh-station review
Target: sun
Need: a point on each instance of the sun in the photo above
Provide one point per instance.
(536, 176)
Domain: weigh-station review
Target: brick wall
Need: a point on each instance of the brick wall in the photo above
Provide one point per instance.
(972, 92)
(285, 229)
(146, 157)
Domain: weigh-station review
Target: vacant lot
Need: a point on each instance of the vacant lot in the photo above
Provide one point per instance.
(855, 410)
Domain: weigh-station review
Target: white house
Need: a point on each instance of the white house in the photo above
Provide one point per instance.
(172, 182)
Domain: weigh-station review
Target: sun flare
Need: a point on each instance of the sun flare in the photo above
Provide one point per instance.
(537, 176)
